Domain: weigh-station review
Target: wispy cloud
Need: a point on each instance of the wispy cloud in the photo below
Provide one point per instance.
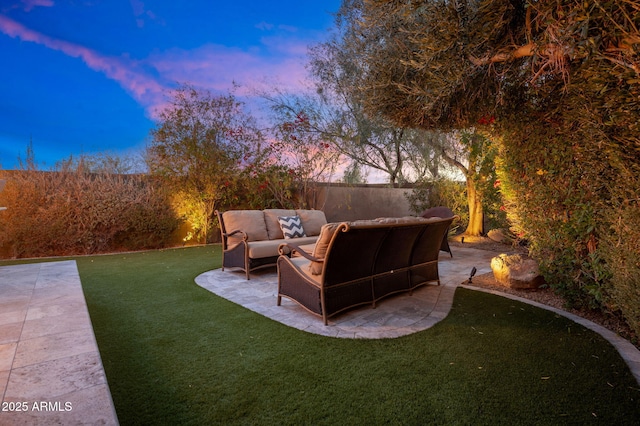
(217, 67)
(146, 90)
(26, 5)
(264, 26)
(276, 62)
(141, 13)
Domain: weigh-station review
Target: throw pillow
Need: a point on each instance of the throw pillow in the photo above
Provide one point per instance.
(291, 227)
(322, 244)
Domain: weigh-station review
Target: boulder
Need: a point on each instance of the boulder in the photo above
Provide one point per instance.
(517, 272)
(499, 236)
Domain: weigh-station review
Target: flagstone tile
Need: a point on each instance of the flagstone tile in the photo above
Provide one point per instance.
(54, 346)
(10, 333)
(7, 354)
(48, 352)
(54, 320)
(55, 378)
(89, 406)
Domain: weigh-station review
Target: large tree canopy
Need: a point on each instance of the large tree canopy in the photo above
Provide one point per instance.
(446, 63)
(560, 81)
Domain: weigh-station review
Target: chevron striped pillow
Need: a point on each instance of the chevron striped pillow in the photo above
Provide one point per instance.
(291, 227)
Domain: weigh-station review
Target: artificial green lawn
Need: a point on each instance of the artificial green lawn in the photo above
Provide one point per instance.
(176, 354)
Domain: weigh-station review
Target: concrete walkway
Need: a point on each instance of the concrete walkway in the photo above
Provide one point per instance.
(50, 368)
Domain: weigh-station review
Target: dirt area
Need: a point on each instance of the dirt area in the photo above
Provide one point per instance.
(545, 295)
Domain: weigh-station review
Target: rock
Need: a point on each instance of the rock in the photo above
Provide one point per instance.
(499, 236)
(515, 271)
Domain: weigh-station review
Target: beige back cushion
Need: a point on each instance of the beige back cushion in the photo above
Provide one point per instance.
(320, 250)
(249, 221)
(312, 221)
(271, 221)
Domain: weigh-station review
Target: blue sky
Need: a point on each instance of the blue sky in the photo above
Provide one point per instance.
(88, 76)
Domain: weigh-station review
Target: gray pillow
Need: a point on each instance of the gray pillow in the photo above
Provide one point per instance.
(291, 227)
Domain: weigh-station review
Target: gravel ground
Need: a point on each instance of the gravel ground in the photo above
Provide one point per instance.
(545, 295)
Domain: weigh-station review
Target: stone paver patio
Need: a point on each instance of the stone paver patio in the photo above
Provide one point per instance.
(393, 316)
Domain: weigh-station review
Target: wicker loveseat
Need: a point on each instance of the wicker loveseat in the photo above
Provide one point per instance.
(362, 262)
(250, 238)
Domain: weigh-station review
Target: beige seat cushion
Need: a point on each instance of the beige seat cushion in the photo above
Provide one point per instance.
(301, 264)
(312, 221)
(320, 250)
(249, 221)
(269, 248)
(271, 221)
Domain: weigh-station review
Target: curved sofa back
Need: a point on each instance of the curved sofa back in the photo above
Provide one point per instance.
(399, 256)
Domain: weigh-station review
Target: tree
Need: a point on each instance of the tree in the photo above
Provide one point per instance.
(353, 174)
(347, 65)
(202, 145)
(473, 155)
(447, 64)
(334, 112)
(367, 138)
(562, 79)
(300, 146)
(346, 132)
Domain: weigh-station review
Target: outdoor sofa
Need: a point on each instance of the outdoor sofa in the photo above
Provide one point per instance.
(361, 262)
(250, 238)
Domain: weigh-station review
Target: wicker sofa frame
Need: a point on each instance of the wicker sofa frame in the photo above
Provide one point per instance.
(238, 244)
(363, 264)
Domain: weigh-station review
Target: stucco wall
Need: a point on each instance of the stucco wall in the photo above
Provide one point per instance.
(345, 203)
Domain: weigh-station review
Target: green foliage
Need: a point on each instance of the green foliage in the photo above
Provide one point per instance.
(273, 186)
(353, 174)
(440, 192)
(206, 148)
(620, 248)
(563, 81)
(473, 155)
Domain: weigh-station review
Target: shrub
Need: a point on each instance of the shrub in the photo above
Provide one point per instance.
(73, 212)
(448, 192)
(572, 184)
(440, 192)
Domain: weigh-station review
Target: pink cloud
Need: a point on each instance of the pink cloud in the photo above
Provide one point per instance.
(277, 62)
(217, 67)
(144, 89)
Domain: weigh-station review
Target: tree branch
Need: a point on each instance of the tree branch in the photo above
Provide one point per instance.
(519, 52)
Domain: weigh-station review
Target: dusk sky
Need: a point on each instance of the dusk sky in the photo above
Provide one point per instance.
(88, 76)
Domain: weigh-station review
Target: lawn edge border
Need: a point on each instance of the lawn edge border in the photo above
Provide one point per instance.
(629, 353)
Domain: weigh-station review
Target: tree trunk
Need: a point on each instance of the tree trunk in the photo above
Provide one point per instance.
(476, 213)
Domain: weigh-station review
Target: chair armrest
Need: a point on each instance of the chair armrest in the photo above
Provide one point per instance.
(296, 248)
(245, 237)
